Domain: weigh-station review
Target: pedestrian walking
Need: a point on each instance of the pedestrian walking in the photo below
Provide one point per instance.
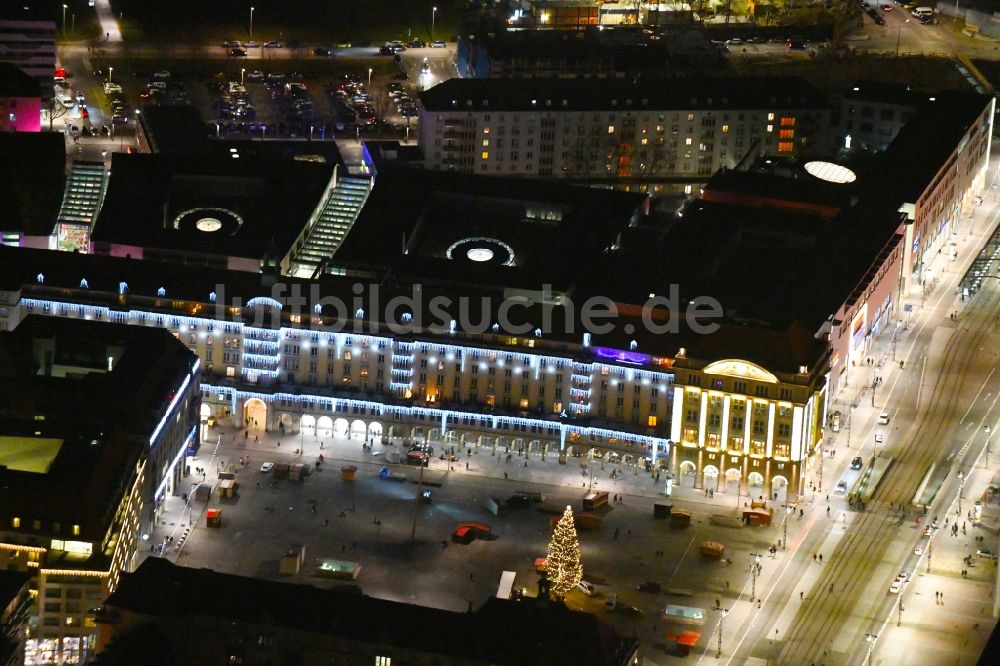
(526, 464)
(758, 603)
(466, 465)
(821, 558)
(505, 476)
(801, 595)
(827, 512)
(814, 557)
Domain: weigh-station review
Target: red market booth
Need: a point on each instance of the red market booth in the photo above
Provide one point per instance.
(213, 518)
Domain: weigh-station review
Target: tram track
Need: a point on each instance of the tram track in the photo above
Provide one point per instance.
(850, 573)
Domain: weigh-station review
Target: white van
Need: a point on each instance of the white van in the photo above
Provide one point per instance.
(922, 11)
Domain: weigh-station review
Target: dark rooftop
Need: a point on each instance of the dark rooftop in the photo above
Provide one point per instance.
(533, 633)
(922, 147)
(446, 227)
(210, 205)
(32, 180)
(55, 386)
(621, 95)
(15, 83)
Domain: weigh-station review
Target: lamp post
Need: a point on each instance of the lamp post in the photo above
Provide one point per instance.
(871, 646)
(899, 31)
(243, 72)
(369, 79)
(721, 619)
(110, 69)
(753, 576)
(65, 7)
(251, 23)
(899, 613)
(434, 11)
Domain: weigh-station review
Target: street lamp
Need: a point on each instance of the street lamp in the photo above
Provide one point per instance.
(110, 69)
(724, 611)
(753, 576)
(434, 11)
(871, 646)
(251, 23)
(899, 31)
(65, 7)
(369, 79)
(243, 72)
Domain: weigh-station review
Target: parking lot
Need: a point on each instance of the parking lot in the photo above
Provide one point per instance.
(370, 520)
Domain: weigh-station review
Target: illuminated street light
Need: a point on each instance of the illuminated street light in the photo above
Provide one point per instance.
(110, 69)
(65, 7)
(369, 79)
(251, 23)
(434, 11)
(243, 72)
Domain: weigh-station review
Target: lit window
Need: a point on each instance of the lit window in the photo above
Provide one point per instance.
(785, 147)
(725, 129)
(15, 522)
(687, 189)
(383, 661)
(347, 356)
(611, 129)
(688, 141)
(690, 116)
(645, 141)
(651, 421)
(770, 116)
(485, 155)
(786, 134)
(788, 121)
(76, 530)
(486, 142)
(770, 128)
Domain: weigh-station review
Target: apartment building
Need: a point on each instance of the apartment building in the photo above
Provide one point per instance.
(644, 131)
(29, 45)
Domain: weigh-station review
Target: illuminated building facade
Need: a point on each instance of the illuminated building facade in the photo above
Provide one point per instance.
(612, 129)
(92, 428)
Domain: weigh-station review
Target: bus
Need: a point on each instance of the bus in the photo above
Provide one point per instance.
(506, 589)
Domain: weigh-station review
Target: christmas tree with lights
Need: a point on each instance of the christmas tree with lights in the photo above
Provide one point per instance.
(563, 566)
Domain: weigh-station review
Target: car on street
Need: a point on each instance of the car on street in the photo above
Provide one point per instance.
(255, 75)
(232, 44)
(883, 418)
(857, 463)
(887, 8)
(416, 44)
(266, 467)
(162, 74)
(927, 20)
(587, 588)
(735, 41)
(323, 52)
(904, 576)
(238, 53)
(841, 488)
(896, 586)
(649, 586)
(273, 45)
(251, 45)
(986, 554)
(630, 610)
(438, 44)
(919, 549)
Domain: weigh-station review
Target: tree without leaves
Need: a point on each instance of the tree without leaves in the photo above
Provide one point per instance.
(563, 566)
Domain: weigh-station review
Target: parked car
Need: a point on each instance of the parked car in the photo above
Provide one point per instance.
(857, 463)
(273, 45)
(162, 74)
(252, 45)
(255, 75)
(587, 588)
(416, 44)
(320, 51)
(649, 586)
(238, 53)
(232, 44)
(266, 467)
(437, 44)
(986, 554)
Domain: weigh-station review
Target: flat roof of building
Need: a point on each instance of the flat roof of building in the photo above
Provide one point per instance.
(923, 145)
(71, 430)
(554, 95)
(32, 180)
(438, 226)
(533, 632)
(212, 204)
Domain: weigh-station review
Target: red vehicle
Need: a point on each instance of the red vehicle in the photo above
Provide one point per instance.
(466, 533)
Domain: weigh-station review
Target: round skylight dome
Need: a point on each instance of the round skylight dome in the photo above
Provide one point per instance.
(830, 172)
(208, 224)
(479, 254)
